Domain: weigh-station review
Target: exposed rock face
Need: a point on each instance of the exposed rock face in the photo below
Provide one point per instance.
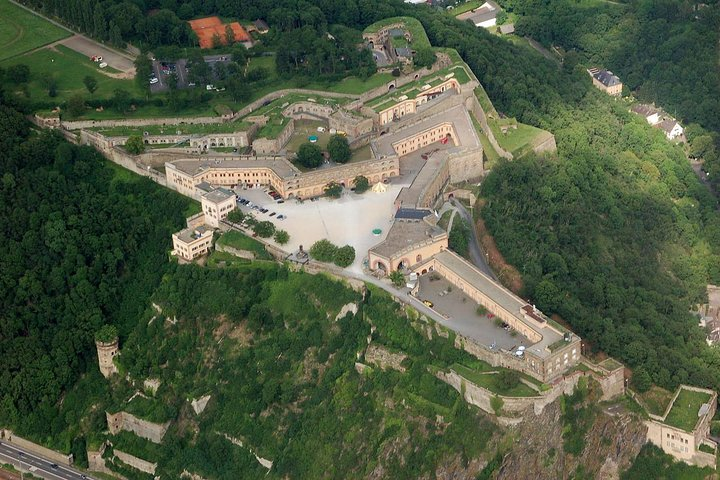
(611, 444)
(347, 308)
(200, 404)
(384, 358)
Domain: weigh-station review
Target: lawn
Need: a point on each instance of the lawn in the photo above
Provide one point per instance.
(684, 412)
(419, 37)
(186, 129)
(483, 378)
(656, 400)
(240, 241)
(68, 68)
(304, 129)
(21, 31)
(466, 7)
(515, 139)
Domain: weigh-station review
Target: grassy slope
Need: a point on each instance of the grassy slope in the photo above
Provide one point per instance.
(21, 31)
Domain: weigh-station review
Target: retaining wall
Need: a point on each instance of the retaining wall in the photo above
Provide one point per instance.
(235, 251)
(142, 428)
(135, 462)
(10, 437)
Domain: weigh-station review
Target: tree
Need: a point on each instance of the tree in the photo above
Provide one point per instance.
(309, 155)
(121, 100)
(339, 148)
(362, 184)
(90, 84)
(217, 41)
(323, 251)
(107, 334)
(333, 190)
(508, 379)
(19, 73)
(51, 85)
(135, 145)
(424, 57)
(397, 278)
(264, 229)
(282, 237)
(344, 256)
(76, 105)
(143, 71)
(235, 216)
(641, 379)
(229, 35)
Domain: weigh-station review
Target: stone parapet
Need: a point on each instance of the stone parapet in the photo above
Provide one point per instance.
(142, 428)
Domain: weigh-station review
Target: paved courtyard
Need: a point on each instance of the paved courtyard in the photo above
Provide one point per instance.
(461, 314)
(119, 61)
(347, 220)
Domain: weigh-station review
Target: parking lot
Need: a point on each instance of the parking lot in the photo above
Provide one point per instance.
(347, 220)
(461, 314)
(162, 70)
(90, 48)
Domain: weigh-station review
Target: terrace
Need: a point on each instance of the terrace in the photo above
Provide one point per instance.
(685, 409)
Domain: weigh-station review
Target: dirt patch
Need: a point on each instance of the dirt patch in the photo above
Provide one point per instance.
(239, 332)
(508, 275)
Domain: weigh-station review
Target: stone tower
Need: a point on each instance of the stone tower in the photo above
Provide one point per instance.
(106, 353)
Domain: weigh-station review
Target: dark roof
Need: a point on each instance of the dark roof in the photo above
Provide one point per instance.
(607, 78)
(507, 28)
(396, 32)
(644, 110)
(261, 25)
(412, 213)
(667, 125)
(205, 187)
(403, 52)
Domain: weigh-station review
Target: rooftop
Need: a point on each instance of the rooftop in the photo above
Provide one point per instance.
(196, 166)
(411, 213)
(686, 409)
(189, 235)
(503, 297)
(218, 195)
(644, 109)
(667, 125)
(606, 77)
(483, 13)
(406, 234)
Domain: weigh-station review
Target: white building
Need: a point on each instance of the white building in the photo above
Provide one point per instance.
(671, 128)
(216, 205)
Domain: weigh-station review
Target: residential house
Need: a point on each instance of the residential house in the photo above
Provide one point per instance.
(261, 27)
(484, 16)
(672, 128)
(648, 112)
(606, 81)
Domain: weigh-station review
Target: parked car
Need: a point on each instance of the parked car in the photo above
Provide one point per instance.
(281, 201)
(428, 303)
(102, 65)
(154, 80)
(272, 214)
(281, 217)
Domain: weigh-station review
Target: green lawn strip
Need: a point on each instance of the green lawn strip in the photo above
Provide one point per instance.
(490, 381)
(485, 101)
(419, 37)
(656, 400)
(68, 68)
(445, 219)
(466, 7)
(491, 154)
(515, 138)
(240, 241)
(684, 412)
(21, 31)
(224, 259)
(148, 409)
(184, 129)
(706, 448)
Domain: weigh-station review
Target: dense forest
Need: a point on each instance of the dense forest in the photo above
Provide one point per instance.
(83, 248)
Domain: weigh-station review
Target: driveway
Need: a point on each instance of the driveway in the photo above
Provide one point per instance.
(117, 60)
(477, 256)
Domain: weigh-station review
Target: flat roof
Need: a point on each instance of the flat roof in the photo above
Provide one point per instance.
(218, 195)
(501, 295)
(685, 410)
(406, 234)
(189, 235)
(196, 166)
(412, 213)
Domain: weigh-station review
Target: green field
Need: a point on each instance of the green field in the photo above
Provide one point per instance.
(68, 68)
(515, 140)
(21, 31)
(186, 129)
(684, 412)
(240, 241)
(484, 376)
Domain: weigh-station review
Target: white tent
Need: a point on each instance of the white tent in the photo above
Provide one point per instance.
(379, 188)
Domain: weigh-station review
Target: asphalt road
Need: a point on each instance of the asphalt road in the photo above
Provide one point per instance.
(38, 466)
(476, 254)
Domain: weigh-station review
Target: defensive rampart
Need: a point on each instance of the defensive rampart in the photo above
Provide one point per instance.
(142, 428)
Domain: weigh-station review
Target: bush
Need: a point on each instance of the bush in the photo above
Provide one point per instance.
(282, 237)
(333, 190)
(344, 256)
(323, 251)
(107, 334)
(264, 229)
(496, 403)
(508, 379)
(397, 278)
(362, 184)
(135, 145)
(483, 311)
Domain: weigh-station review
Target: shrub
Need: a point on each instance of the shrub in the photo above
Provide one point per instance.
(236, 216)
(282, 237)
(362, 184)
(344, 256)
(333, 190)
(339, 149)
(135, 145)
(397, 278)
(508, 379)
(323, 251)
(309, 155)
(106, 334)
(264, 229)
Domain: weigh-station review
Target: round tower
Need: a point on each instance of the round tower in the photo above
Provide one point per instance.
(107, 344)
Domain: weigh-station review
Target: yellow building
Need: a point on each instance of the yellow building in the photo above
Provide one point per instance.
(216, 205)
(191, 243)
(606, 81)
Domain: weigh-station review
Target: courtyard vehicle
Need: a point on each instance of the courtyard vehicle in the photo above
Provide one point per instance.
(428, 303)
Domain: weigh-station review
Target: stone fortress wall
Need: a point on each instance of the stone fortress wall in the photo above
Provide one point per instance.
(10, 437)
(142, 428)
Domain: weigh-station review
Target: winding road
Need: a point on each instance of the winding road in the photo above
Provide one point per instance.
(477, 256)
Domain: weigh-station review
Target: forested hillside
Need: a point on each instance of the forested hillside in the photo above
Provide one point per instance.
(84, 246)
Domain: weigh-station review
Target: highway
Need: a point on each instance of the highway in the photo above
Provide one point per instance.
(26, 461)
